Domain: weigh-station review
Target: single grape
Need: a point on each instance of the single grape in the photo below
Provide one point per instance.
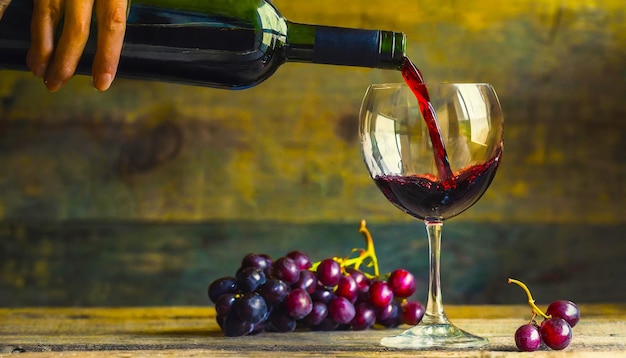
(307, 281)
(380, 294)
(383, 313)
(566, 310)
(268, 264)
(364, 317)
(301, 259)
(347, 287)
(322, 294)
(362, 282)
(402, 283)
(412, 312)
(260, 261)
(298, 303)
(251, 308)
(394, 317)
(329, 272)
(528, 338)
(249, 278)
(286, 269)
(317, 315)
(224, 303)
(341, 310)
(221, 286)
(556, 333)
(233, 326)
(273, 291)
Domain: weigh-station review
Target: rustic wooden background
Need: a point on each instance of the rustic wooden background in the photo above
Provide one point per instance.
(156, 188)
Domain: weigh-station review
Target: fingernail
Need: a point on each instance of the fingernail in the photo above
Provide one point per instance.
(40, 70)
(53, 85)
(103, 81)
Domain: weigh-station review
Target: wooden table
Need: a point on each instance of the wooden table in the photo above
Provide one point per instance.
(192, 332)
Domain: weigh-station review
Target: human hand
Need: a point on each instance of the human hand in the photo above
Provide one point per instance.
(3, 6)
(57, 62)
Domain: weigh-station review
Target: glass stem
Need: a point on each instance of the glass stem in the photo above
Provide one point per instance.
(434, 306)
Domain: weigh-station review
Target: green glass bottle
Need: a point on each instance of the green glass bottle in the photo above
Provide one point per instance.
(232, 44)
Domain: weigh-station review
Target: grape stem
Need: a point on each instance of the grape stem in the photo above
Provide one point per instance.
(364, 254)
(369, 250)
(531, 301)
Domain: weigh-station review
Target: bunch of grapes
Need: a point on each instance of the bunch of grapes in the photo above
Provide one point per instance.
(291, 292)
(555, 331)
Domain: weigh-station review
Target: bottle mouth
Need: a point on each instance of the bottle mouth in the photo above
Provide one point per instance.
(393, 50)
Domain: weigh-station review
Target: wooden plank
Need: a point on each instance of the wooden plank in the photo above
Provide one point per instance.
(192, 332)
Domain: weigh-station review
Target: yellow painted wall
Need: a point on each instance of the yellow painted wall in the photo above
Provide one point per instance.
(287, 149)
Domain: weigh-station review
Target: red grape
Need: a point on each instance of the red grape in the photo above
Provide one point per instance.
(402, 283)
(347, 288)
(556, 333)
(262, 262)
(359, 277)
(251, 308)
(317, 315)
(527, 338)
(566, 310)
(224, 303)
(412, 312)
(384, 312)
(380, 294)
(273, 291)
(233, 326)
(322, 294)
(364, 317)
(221, 286)
(298, 303)
(341, 310)
(249, 278)
(329, 272)
(286, 269)
(307, 281)
(394, 315)
(301, 259)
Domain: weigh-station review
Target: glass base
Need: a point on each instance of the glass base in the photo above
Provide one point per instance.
(442, 335)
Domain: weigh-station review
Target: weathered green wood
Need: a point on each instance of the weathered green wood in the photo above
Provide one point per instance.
(158, 264)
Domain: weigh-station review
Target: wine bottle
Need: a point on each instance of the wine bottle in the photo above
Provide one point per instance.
(231, 44)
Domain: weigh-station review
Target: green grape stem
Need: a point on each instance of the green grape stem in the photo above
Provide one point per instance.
(531, 301)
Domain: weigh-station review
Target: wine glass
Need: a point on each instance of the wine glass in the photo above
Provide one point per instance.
(433, 159)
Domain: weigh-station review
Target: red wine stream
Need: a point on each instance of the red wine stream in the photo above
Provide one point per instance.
(413, 78)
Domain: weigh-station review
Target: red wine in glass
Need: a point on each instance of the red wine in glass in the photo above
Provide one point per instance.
(447, 194)
(423, 196)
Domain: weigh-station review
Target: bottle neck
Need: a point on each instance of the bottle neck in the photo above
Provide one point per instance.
(344, 46)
